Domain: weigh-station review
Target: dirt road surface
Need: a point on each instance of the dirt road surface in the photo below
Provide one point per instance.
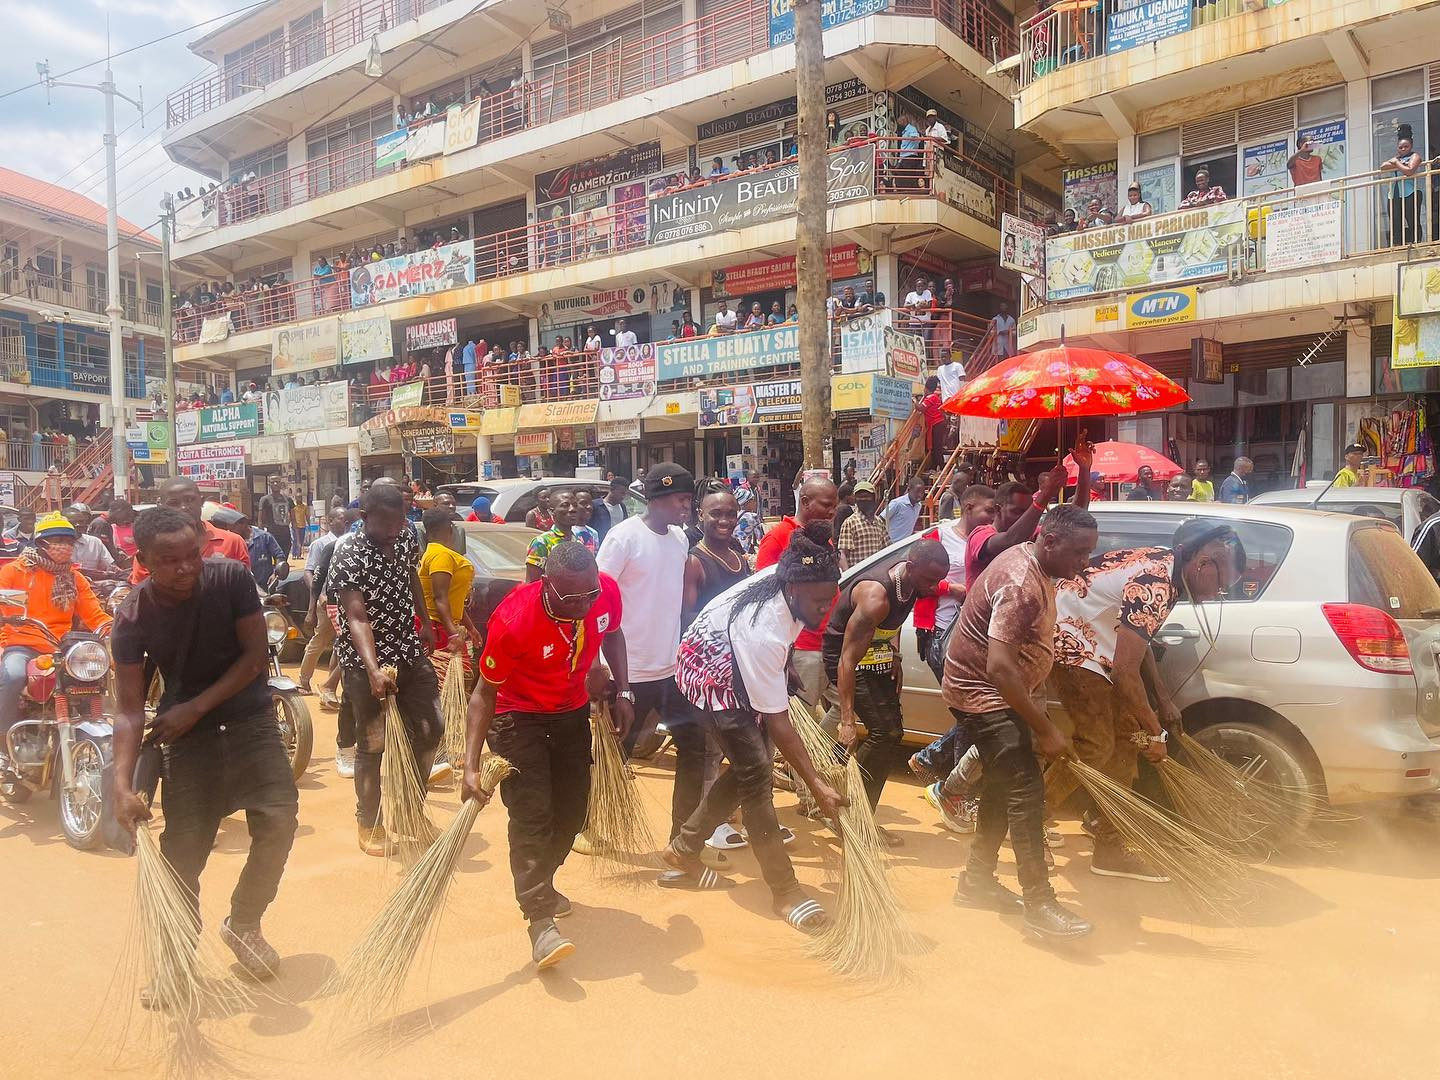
(1332, 972)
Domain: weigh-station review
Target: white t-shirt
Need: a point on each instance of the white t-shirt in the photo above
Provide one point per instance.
(1134, 210)
(593, 343)
(317, 548)
(650, 570)
(937, 130)
(952, 536)
(952, 377)
(625, 337)
(725, 320)
(919, 299)
(721, 660)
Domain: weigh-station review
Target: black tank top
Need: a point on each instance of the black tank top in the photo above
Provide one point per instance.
(885, 646)
(716, 577)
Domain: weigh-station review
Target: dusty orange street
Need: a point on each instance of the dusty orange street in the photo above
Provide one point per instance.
(1332, 974)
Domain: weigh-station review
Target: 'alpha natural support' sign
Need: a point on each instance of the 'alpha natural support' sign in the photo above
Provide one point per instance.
(217, 423)
(755, 198)
(696, 357)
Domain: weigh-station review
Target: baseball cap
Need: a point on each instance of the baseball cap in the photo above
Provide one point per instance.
(864, 487)
(667, 478)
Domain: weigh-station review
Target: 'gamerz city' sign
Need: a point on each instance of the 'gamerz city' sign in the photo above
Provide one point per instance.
(757, 197)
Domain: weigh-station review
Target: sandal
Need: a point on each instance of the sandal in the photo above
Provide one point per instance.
(305, 689)
(804, 914)
(725, 837)
(688, 872)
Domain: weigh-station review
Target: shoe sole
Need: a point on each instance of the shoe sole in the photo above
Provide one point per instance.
(565, 914)
(996, 905)
(1154, 879)
(442, 776)
(555, 955)
(1052, 935)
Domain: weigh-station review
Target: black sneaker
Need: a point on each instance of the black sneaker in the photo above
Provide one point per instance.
(1113, 860)
(562, 906)
(1090, 824)
(986, 893)
(547, 945)
(1046, 918)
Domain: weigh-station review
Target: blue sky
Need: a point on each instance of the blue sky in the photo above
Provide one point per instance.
(53, 141)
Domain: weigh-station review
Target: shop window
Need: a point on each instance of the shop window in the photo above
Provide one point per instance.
(1398, 88)
(1318, 381)
(1220, 163)
(1266, 386)
(1211, 395)
(1157, 145)
(1322, 105)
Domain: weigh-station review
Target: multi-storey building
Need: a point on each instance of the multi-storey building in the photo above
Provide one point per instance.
(54, 337)
(1276, 304)
(544, 173)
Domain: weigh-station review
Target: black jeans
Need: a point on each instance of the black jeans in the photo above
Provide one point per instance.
(662, 699)
(1012, 796)
(546, 796)
(746, 784)
(418, 695)
(877, 705)
(209, 774)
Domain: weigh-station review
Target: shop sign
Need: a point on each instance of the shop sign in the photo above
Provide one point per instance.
(425, 139)
(1328, 144)
(1086, 182)
(965, 188)
(741, 201)
(508, 396)
(1306, 234)
(271, 450)
(534, 443)
(697, 357)
(1146, 22)
(210, 464)
(148, 442)
(832, 13)
(627, 371)
(462, 126)
(427, 439)
(1022, 246)
(430, 335)
(894, 398)
(1165, 307)
(217, 423)
(468, 422)
(1184, 246)
(418, 273)
(757, 403)
(309, 345)
(672, 408)
(626, 164)
(1107, 313)
(550, 414)
(844, 261)
(904, 353)
(499, 421)
(776, 111)
(409, 393)
(365, 338)
(618, 430)
(1207, 361)
(1415, 333)
(862, 342)
(562, 311)
(308, 408)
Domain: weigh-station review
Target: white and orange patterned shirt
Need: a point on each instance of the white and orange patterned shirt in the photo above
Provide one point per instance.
(1131, 587)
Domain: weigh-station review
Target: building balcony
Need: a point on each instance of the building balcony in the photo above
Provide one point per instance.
(36, 292)
(1092, 70)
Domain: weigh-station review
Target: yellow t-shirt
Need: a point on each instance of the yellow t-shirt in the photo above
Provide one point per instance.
(439, 559)
(1202, 490)
(1347, 477)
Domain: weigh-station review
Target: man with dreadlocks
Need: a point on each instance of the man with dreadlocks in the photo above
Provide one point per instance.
(732, 667)
(55, 595)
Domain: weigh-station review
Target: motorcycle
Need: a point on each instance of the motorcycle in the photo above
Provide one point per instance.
(62, 740)
(292, 715)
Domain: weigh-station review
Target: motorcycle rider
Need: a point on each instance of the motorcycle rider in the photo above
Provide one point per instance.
(91, 554)
(55, 595)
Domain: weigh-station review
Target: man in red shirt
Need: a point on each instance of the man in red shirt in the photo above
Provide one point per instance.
(935, 418)
(181, 494)
(533, 704)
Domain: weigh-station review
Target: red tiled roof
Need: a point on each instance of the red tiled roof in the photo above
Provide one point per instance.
(17, 187)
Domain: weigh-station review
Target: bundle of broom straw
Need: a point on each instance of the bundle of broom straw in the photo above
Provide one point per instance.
(1217, 812)
(1208, 876)
(374, 972)
(615, 819)
(867, 934)
(402, 791)
(453, 702)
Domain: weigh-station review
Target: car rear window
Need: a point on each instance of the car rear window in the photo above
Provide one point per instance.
(498, 554)
(1266, 545)
(1386, 574)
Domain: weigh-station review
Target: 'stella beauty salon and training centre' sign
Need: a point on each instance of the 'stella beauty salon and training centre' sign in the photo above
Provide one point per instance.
(728, 352)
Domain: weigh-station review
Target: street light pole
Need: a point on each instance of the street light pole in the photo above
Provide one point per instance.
(811, 265)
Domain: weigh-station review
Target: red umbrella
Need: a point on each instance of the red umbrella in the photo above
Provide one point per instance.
(1065, 381)
(1119, 463)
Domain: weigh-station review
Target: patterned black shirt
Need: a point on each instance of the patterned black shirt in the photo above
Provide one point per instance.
(383, 579)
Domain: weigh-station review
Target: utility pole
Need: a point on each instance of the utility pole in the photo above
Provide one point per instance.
(811, 265)
(113, 310)
(167, 226)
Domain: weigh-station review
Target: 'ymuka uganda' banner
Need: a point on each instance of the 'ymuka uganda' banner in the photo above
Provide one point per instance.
(695, 357)
(757, 197)
(1184, 246)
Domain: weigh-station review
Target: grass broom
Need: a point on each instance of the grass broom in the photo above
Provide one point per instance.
(453, 703)
(1208, 876)
(402, 791)
(374, 972)
(827, 754)
(1217, 813)
(867, 932)
(615, 821)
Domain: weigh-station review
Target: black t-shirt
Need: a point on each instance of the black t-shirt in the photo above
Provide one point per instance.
(199, 632)
(1141, 493)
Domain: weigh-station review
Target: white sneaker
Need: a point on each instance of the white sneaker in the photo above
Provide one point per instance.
(442, 772)
(345, 762)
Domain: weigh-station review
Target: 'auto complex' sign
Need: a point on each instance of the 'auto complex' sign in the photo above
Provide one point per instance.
(752, 199)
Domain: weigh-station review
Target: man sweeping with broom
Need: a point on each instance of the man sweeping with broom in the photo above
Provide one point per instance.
(1105, 620)
(199, 622)
(374, 578)
(732, 667)
(538, 673)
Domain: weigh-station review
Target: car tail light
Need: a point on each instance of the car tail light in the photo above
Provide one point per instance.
(1371, 636)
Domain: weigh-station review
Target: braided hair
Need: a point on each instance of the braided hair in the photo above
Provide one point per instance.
(810, 556)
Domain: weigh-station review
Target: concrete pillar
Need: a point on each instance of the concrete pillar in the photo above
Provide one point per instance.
(482, 455)
(1359, 369)
(352, 454)
(887, 278)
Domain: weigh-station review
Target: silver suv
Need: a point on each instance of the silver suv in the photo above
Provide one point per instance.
(1320, 668)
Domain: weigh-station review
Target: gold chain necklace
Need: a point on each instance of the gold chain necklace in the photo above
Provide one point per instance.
(739, 563)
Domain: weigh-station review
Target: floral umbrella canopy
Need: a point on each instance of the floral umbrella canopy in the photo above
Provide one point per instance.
(1066, 382)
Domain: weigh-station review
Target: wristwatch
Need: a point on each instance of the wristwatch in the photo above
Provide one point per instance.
(1163, 737)
(628, 695)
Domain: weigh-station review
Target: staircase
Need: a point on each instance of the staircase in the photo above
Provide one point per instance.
(76, 482)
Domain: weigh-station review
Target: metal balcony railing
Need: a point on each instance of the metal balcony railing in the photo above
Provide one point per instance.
(548, 244)
(58, 292)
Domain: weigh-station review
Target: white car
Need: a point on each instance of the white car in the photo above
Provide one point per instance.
(1405, 508)
(1320, 669)
(515, 497)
